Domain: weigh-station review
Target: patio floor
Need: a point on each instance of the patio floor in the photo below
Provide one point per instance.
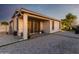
(6, 39)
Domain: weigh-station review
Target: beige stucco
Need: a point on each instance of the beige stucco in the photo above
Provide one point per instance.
(20, 26)
(25, 26)
(15, 24)
(41, 26)
(56, 26)
(4, 28)
(45, 24)
(46, 27)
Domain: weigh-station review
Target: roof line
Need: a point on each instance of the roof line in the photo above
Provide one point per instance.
(29, 11)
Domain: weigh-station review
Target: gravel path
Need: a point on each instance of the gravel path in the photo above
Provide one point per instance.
(48, 44)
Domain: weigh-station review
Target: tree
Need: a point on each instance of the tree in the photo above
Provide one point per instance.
(68, 21)
(5, 23)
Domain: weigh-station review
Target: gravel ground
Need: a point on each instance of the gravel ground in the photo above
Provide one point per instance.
(58, 43)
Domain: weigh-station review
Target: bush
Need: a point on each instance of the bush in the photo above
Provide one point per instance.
(76, 29)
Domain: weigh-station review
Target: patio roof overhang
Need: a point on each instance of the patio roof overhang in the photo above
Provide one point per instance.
(32, 14)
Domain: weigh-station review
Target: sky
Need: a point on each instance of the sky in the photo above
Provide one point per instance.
(57, 11)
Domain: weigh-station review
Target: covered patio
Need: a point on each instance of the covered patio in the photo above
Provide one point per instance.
(34, 26)
(26, 23)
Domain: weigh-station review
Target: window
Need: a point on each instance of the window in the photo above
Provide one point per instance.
(53, 25)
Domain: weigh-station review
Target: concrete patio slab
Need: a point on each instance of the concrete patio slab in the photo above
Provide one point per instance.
(6, 39)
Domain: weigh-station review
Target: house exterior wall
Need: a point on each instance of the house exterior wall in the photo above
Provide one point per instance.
(25, 26)
(20, 26)
(4, 28)
(46, 26)
(41, 26)
(15, 24)
(56, 26)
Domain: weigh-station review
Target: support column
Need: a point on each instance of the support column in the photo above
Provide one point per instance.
(51, 26)
(41, 25)
(15, 24)
(20, 26)
(25, 26)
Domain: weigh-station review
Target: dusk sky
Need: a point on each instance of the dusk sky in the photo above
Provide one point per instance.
(56, 11)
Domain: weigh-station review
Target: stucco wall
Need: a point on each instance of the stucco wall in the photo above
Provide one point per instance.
(56, 26)
(41, 25)
(46, 26)
(15, 24)
(4, 28)
(25, 26)
(20, 26)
